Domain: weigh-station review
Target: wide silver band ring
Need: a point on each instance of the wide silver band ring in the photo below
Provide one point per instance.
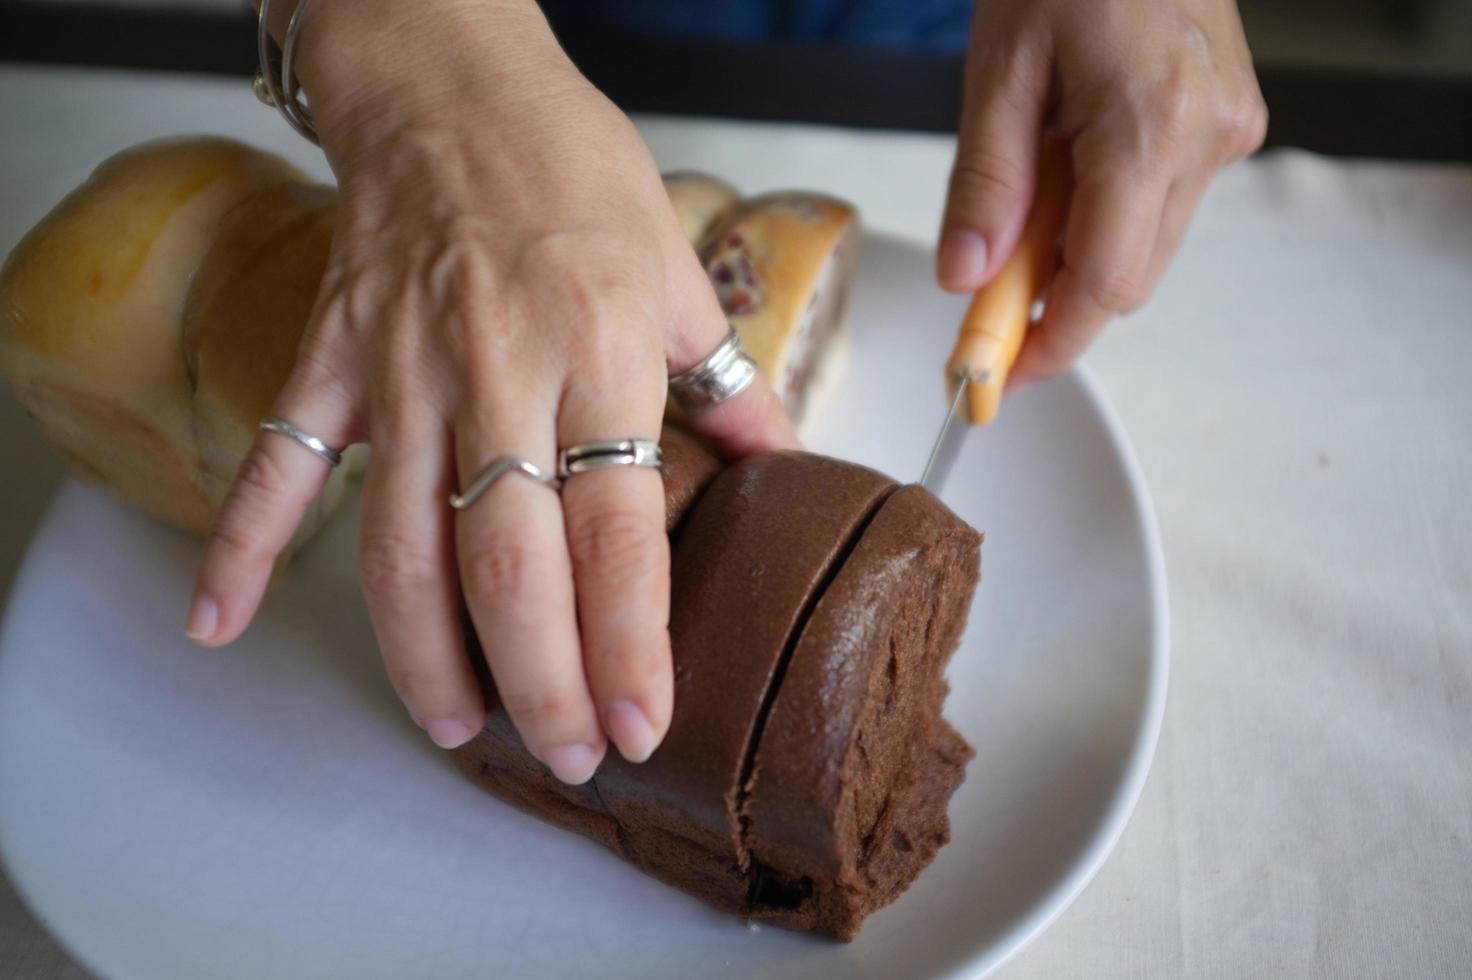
(724, 373)
(601, 455)
(496, 469)
(284, 428)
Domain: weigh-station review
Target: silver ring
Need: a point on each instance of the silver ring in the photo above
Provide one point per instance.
(599, 455)
(725, 372)
(284, 428)
(498, 468)
(279, 88)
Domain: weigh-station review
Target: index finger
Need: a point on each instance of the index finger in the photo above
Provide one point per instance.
(1112, 225)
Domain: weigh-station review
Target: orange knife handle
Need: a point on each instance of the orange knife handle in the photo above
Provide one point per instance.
(992, 331)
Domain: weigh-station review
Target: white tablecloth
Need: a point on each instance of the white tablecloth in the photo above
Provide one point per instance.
(1298, 394)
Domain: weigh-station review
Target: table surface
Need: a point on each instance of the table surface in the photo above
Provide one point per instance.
(1296, 394)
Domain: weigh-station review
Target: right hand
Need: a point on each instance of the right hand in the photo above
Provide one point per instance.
(507, 277)
(1154, 98)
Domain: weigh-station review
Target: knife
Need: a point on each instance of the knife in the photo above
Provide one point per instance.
(992, 330)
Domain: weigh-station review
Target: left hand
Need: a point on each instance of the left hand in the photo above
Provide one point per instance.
(1155, 97)
(507, 277)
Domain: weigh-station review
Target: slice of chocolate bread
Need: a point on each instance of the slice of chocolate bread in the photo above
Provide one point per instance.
(847, 797)
(748, 566)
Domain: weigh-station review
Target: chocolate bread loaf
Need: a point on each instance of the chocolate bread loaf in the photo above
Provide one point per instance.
(806, 772)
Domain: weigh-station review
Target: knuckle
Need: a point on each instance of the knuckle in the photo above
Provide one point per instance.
(615, 543)
(352, 306)
(261, 476)
(1012, 73)
(397, 399)
(617, 337)
(506, 569)
(592, 301)
(635, 662)
(235, 540)
(984, 174)
(1257, 131)
(390, 566)
(324, 367)
(460, 283)
(458, 262)
(1169, 112)
(330, 288)
(1244, 120)
(615, 328)
(1115, 289)
(600, 275)
(538, 709)
(415, 683)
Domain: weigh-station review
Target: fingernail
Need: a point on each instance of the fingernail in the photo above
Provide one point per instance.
(630, 730)
(573, 764)
(448, 733)
(962, 259)
(204, 618)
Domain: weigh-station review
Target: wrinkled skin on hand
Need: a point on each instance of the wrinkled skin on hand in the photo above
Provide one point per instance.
(507, 277)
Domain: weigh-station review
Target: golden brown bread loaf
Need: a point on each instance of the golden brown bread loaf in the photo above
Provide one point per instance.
(150, 320)
(93, 316)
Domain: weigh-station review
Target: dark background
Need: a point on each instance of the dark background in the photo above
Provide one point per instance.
(1383, 78)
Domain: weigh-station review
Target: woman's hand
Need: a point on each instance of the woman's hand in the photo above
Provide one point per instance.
(507, 277)
(1156, 96)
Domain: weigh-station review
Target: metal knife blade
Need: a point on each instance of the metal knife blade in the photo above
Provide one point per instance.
(948, 441)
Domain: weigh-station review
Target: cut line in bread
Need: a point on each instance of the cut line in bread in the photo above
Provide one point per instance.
(751, 559)
(774, 687)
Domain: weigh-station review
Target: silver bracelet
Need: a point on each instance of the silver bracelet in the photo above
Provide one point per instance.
(282, 91)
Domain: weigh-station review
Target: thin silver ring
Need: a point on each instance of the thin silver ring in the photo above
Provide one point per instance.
(725, 372)
(284, 428)
(496, 469)
(601, 455)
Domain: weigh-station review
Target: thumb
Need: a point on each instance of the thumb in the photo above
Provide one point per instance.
(995, 170)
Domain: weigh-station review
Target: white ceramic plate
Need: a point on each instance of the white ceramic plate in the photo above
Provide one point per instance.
(269, 811)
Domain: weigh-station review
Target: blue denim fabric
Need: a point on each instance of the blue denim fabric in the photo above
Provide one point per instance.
(935, 24)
